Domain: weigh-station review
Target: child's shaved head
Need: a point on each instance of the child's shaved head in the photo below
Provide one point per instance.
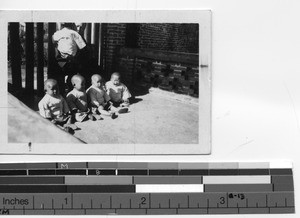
(77, 78)
(51, 87)
(115, 74)
(115, 78)
(49, 82)
(96, 77)
(78, 82)
(97, 80)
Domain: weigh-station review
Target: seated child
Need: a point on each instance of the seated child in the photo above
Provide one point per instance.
(77, 100)
(118, 93)
(54, 107)
(98, 98)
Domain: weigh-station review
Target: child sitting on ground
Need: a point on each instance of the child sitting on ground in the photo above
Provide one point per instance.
(118, 93)
(55, 108)
(77, 100)
(98, 98)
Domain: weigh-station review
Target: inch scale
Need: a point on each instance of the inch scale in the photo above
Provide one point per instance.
(145, 188)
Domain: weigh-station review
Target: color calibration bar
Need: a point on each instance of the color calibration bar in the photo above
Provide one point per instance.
(146, 188)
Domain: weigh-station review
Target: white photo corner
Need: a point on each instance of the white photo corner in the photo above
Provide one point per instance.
(106, 82)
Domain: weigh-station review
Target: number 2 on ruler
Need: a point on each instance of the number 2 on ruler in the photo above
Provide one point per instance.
(143, 200)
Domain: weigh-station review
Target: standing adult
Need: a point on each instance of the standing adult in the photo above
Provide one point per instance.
(69, 44)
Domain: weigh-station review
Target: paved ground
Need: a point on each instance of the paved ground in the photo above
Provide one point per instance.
(158, 117)
(155, 117)
(27, 126)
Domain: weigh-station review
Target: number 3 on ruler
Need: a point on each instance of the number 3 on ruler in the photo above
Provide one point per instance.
(222, 200)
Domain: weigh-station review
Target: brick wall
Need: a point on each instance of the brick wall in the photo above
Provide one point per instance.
(156, 36)
(169, 37)
(160, 36)
(181, 78)
(113, 39)
(188, 38)
(172, 71)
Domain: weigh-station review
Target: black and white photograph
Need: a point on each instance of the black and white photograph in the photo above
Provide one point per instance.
(150, 108)
(113, 82)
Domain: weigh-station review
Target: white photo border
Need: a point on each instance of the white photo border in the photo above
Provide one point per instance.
(202, 17)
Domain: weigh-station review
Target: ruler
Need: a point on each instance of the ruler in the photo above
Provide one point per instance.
(102, 188)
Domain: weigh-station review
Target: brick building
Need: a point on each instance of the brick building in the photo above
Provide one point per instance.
(150, 47)
(171, 37)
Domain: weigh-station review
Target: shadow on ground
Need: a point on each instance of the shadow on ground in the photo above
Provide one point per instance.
(155, 117)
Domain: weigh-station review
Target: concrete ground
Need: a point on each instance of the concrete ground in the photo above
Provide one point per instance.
(155, 117)
(27, 126)
(158, 117)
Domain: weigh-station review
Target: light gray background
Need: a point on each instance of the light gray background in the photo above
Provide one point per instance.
(256, 76)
